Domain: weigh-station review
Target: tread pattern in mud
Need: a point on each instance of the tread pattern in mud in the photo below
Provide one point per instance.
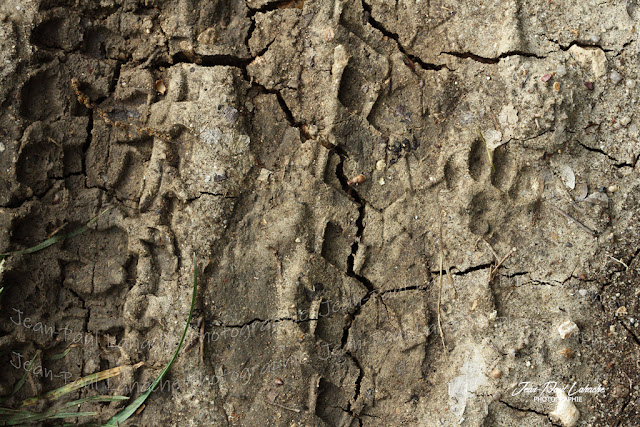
(385, 203)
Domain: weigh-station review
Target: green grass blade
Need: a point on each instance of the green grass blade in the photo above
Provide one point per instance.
(26, 373)
(61, 355)
(127, 412)
(55, 239)
(73, 414)
(21, 416)
(100, 398)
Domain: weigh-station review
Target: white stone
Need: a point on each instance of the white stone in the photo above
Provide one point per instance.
(493, 138)
(264, 175)
(615, 77)
(567, 329)
(566, 412)
(568, 177)
(590, 57)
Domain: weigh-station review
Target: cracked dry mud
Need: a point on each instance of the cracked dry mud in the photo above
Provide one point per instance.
(499, 145)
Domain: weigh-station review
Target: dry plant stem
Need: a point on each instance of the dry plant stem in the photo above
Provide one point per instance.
(278, 263)
(438, 308)
(619, 261)
(455, 291)
(202, 342)
(581, 225)
(486, 148)
(491, 249)
(444, 346)
(57, 230)
(313, 393)
(283, 407)
(494, 270)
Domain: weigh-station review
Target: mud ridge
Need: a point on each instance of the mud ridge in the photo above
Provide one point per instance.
(393, 36)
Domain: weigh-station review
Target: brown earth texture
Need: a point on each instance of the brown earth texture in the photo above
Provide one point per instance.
(402, 213)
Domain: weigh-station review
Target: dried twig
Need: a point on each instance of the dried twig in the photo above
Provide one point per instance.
(494, 270)
(439, 301)
(581, 225)
(57, 230)
(621, 262)
(278, 263)
(440, 278)
(491, 249)
(202, 326)
(283, 407)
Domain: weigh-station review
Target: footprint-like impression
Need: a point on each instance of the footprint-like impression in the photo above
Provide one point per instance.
(500, 190)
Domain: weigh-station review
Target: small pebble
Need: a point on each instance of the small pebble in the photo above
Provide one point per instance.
(625, 120)
(496, 373)
(631, 84)
(588, 85)
(546, 77)
(161, 88)
(567, 329)
(380, 165)
(594, 38)
(615, 77)
(583, 292)
(567, 352)
(358, 179)
(556, 86)
(561, 71)
(568, 177)
(566, 412)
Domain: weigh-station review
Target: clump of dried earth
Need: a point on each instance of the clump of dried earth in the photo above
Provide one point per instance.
(499, 145)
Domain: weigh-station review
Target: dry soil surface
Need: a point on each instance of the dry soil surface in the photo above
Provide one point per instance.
(403, 212)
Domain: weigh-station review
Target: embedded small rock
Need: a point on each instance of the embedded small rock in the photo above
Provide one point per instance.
(566, 412)
(567, 329)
